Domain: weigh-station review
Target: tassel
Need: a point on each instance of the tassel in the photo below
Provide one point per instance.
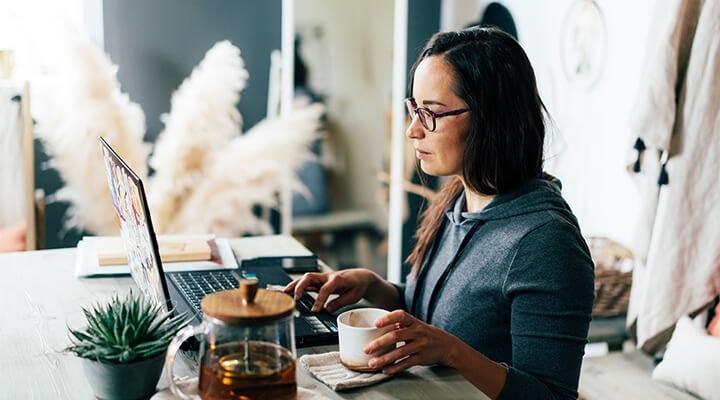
(640, 147)
(663, 178)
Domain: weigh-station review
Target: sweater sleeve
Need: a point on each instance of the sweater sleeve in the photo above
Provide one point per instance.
(550, 286)
(400, 287)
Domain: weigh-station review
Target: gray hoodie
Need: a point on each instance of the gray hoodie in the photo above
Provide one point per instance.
(516, 282)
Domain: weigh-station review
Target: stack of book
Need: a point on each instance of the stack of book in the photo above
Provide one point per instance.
(106, 255)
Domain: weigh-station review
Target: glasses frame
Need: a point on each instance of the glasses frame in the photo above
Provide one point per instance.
(414, 110)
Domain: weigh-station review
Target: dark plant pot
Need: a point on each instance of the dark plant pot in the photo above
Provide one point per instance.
(133, 381)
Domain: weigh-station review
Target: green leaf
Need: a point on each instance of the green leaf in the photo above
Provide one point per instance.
(124, 330)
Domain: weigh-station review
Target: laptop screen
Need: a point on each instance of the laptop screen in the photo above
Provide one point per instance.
(136, 228)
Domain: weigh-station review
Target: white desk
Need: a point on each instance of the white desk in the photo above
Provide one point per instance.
(41, 297)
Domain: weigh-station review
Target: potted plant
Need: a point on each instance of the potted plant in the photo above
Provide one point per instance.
(123, 346)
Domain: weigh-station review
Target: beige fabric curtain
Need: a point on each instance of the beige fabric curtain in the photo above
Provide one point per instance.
(677, 116)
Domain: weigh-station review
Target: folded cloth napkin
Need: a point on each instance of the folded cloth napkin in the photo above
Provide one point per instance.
(329, 370)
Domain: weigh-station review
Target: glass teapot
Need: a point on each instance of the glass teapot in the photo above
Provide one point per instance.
(247, 346)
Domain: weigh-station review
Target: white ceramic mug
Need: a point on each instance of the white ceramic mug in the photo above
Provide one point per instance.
(356, 328)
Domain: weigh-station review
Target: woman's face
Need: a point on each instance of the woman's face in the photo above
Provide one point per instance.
(440, 152)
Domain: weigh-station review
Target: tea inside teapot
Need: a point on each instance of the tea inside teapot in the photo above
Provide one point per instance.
(248, 370)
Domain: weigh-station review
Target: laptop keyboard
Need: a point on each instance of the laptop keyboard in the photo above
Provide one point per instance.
(195, 286)
(305, 308)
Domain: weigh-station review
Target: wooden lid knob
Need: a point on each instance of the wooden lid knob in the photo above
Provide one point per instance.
(248, 290)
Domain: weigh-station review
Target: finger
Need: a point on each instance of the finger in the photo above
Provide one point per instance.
(290, 287)
(340, 301)
(308, 281)
(323, 293)
(390, 358)
(293, 287)
(334, 304)
(401, 365)
(390, 339)
(400, 317)
(312, 282)
(299, 290)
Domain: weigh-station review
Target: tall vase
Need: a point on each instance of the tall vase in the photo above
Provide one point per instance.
(132, 381)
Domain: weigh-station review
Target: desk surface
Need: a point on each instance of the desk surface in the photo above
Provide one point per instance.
(41, 297)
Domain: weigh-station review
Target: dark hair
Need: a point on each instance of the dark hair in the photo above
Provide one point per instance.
(504, 145)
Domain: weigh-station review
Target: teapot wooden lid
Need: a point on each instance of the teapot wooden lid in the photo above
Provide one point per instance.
(248, 305)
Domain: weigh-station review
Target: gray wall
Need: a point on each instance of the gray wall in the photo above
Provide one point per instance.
(156, 44)
(423, 22)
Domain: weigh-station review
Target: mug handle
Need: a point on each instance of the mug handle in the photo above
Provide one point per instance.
(177, 341)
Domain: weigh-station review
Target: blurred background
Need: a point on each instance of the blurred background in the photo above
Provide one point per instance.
(587, 57)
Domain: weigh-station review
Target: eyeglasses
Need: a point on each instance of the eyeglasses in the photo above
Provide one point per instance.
(428, 117)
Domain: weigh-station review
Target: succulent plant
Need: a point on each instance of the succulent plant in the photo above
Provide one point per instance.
(125, 330)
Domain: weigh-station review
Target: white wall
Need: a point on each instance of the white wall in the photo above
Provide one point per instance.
(592, 142)
(349, 54)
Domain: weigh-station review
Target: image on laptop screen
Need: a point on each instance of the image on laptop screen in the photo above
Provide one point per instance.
(131, 207)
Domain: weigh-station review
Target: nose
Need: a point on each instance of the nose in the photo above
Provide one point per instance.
(415, 130)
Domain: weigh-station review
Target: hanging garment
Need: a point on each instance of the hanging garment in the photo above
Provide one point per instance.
(677, 118)
(12, 175)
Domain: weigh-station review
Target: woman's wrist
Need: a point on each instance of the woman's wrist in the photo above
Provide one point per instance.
(483, 373)
(455, 353)
(381, 292)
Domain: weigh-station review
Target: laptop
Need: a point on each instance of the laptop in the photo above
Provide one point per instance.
(182, 292)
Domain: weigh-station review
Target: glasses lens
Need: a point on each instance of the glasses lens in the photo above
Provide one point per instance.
(426, 119)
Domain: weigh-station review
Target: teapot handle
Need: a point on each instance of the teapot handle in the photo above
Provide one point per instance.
(180, 338)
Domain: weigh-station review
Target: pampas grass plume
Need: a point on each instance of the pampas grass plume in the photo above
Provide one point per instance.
(251, 170)
(203, 118)
(83, 102)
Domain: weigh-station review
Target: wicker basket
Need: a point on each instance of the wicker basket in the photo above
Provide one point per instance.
(613, 276)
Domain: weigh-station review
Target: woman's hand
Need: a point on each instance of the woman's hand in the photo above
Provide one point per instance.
(350, 285)
(424, 344)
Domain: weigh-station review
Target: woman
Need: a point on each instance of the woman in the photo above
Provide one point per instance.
(502, 283)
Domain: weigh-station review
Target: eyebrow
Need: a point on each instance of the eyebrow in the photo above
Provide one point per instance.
(433, 102)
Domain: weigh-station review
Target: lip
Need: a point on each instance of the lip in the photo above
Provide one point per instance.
(421, 153)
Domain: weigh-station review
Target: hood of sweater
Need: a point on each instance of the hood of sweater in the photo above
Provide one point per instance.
(533, 196)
